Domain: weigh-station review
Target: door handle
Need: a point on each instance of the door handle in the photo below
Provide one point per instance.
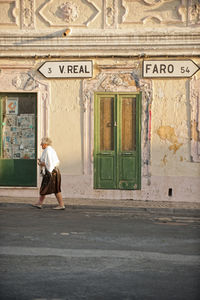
(115, 124)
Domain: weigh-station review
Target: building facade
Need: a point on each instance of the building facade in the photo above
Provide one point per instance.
(115, 84)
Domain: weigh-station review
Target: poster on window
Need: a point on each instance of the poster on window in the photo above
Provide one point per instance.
(12, 106)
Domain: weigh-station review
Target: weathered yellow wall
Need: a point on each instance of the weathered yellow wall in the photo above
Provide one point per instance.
(171, 130)
(65, 124)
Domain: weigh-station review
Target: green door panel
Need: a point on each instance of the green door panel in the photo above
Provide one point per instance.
(117, 141)
(6, 169)
(129, 141)
(106, 165)
(128, 168)
(128, 176)
(18, 172)
(105, 135)
(106, 174)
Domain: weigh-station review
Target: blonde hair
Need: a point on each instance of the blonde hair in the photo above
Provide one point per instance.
(46, 140)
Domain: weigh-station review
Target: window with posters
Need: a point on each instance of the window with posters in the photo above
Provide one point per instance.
(18, 159)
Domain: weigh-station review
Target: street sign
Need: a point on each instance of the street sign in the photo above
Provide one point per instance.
(66, 69)
(169, 68)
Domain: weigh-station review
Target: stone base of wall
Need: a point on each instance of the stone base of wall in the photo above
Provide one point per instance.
(179, 189)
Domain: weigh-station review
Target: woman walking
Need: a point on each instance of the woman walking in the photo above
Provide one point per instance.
(51, 182)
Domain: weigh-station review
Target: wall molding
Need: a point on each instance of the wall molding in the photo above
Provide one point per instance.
(82, 44)
(195, 119)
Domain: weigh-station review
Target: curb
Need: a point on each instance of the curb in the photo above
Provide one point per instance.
(144, 210)
(187, 212)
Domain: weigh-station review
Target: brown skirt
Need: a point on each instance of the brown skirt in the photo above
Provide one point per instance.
(51, 182)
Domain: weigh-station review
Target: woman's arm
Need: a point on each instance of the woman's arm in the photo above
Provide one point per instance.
(40, 163)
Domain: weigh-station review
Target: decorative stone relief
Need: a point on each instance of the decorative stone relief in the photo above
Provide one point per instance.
(161, 13)
(110, 11)
(189, 11)
(118, 82)
(17, 13)
(68, 12)
(117, 79)
(27, 14)
(195, 119)
(57, 13)
(8, 12)
(146, 89)
(114, 13)
(194, 12)
(25, 81)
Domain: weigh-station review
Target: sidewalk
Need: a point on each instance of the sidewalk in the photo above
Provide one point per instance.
(160, 207)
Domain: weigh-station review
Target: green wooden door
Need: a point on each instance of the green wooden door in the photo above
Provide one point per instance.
(18, 142)
(117, 141)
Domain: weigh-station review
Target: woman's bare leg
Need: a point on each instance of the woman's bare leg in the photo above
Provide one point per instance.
(60, 199)
(41, 199)
(40, 202)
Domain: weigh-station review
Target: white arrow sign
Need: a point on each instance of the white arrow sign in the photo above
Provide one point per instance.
(169, 68)
(66, 69)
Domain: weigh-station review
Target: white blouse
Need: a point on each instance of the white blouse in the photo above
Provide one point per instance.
(50, 158)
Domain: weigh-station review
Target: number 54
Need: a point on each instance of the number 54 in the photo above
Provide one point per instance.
(185, 70)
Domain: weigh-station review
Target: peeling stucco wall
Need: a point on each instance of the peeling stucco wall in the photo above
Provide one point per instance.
(167, 133)
(171, 127)
(195, 118)
(66, 113)
(117, 40)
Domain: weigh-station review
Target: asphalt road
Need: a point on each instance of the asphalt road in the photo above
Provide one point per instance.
(97, 255)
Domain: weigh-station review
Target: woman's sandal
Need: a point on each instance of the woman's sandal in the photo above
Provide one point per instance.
(37, 205)
(59, 207)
